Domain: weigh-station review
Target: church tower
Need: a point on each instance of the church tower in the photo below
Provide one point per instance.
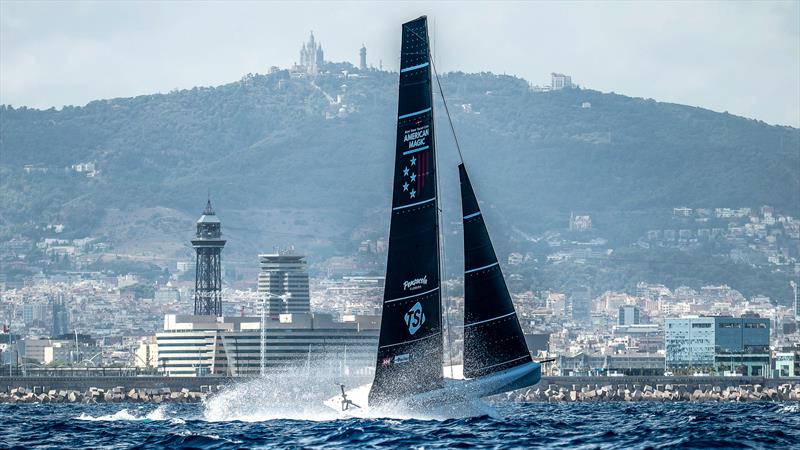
(208, 244)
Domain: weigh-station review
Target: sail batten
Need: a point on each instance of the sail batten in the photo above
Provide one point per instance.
(410, 346)
(493, 338)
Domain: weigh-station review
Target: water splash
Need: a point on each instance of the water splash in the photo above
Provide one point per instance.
(157, 414)
(298, 394)
(791, 408)
(310, 394)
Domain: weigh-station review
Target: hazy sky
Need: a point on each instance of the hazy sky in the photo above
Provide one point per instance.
(739, 57)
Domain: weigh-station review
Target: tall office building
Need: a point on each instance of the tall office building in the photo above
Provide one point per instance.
(283, 283)
(208, 244)
(60, 325)
(628, 315)
(580, 301)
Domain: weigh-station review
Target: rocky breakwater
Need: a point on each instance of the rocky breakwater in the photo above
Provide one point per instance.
(659, 393)
(97, 395)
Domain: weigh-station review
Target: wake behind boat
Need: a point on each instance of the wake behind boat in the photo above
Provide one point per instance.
(408, 370)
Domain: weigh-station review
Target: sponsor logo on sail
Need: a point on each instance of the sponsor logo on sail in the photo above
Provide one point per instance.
(412, 285)
(416, 137)
(415, 318)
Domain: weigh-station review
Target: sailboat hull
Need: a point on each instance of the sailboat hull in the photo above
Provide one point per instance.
(457, 397)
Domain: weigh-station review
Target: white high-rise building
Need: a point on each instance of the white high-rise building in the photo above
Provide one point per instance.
(283, 283)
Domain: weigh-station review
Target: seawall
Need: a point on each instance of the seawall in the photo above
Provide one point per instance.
(587, 389)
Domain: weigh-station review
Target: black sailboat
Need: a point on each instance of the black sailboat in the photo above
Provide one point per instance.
(410, 348)
(410, 345)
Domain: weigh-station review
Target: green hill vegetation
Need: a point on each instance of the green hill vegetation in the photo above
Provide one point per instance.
(286, 162)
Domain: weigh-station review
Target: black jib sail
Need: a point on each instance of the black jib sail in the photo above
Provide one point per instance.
(410, 346)
(493, 339)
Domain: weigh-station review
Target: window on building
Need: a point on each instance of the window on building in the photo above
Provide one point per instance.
(701, 325)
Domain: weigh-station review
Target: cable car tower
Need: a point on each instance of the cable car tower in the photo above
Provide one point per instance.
(208, 244)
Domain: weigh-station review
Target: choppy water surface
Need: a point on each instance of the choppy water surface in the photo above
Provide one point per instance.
(573, 425)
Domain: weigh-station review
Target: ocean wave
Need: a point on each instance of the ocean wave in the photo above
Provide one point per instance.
(545, 426)
(157, 414)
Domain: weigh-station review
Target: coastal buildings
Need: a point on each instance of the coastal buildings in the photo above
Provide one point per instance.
(283, 283)
(231, 346)
(787, 362)
(624, 363)
(718, 345)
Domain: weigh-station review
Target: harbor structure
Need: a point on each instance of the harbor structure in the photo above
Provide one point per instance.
(231, 346)
(283, 283)
(721, 345)
(208, 244)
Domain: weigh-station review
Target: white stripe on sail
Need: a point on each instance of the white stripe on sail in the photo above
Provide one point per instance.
(489, 320)
(481, 268)
(411, 296)
(418, 66)
(415, 204)
(504, 362)
(408, 342)
(423, 111)
(415, 150)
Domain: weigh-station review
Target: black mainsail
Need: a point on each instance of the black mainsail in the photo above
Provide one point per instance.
(410, 346)
(493, 339)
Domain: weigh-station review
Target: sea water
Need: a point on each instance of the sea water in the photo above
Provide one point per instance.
(237, 419)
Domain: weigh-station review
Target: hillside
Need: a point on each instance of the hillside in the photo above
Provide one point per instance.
(283, 164)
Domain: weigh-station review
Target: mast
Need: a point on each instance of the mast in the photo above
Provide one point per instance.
(410, 346)
(493, 338)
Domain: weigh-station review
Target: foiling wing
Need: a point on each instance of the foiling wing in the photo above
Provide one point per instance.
(493, 338)
(410, 346)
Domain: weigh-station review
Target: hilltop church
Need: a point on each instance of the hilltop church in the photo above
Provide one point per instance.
(311, 57)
